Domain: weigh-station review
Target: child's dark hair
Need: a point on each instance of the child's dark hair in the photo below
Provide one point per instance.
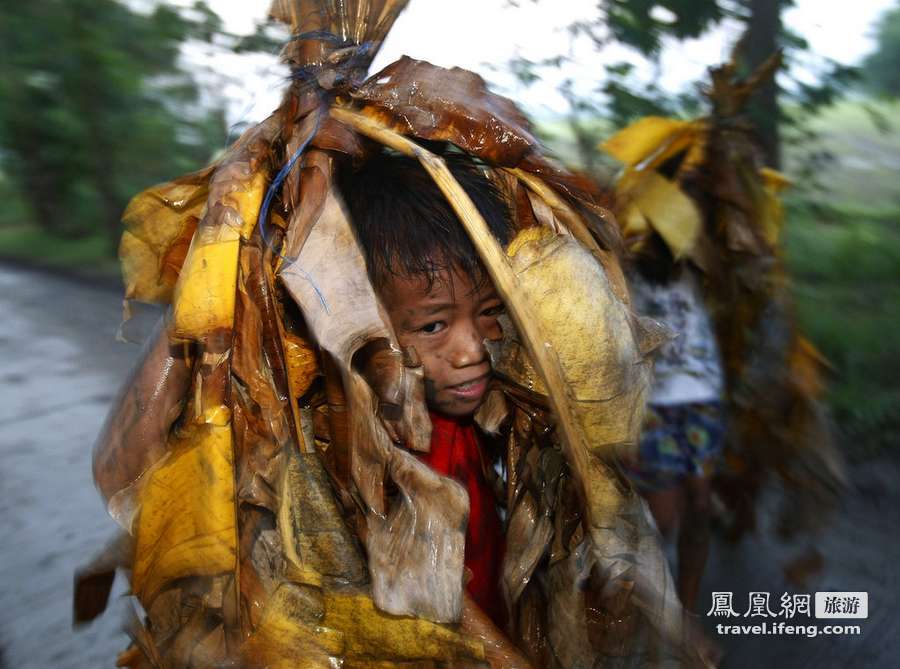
(405, 224)
(655, 262)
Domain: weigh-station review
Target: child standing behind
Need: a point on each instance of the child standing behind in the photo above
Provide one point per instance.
(683, 430)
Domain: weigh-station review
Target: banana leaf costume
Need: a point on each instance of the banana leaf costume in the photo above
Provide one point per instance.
(269, 518)
(702, 187)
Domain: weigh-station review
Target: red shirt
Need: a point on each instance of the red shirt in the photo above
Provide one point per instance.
(455, 453)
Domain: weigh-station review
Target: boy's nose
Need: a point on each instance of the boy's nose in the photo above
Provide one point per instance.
(469, 349)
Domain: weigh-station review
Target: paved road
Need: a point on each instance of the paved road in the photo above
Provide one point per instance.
(60, 366)
(862, 553)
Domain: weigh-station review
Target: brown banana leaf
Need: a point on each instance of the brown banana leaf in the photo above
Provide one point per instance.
(416, 98)
(136, 430)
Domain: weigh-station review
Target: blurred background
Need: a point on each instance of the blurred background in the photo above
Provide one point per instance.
(101, 98)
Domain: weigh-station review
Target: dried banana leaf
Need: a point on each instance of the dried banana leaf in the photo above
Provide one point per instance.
(278, 520)
(328, 29)
(658, 204)
(159, 224)
(136, 430)
(204, 295)
(605, 369)
(186, 523)
(416, 98)
(651, 141)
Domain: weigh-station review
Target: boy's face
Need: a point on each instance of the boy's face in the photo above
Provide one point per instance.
(447, 325)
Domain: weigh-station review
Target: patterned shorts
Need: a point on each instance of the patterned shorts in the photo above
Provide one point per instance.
(678, 441)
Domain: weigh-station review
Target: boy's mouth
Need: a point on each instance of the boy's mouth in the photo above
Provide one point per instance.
(470, 390)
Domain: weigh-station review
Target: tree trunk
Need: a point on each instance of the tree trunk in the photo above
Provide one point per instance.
(759, 42)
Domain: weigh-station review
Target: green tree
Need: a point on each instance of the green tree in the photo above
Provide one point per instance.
(95, 107)
(643, 25)
(765, 33)
(882, 68)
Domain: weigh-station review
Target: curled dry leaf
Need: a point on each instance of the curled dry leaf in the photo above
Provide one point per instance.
(417, 98)
(136, 430)
(607, 373)
(159, 224)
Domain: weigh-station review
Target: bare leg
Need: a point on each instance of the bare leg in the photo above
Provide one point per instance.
(671, 509)
(667, 507)
(693, 539)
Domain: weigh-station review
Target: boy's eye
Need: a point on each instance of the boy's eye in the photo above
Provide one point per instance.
(494, 310)
(433, 328)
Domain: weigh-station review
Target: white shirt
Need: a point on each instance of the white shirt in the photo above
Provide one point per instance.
(688, 368)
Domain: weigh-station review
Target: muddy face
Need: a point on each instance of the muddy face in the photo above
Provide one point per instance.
(447, 324)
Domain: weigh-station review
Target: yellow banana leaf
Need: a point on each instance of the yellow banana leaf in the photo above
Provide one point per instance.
(159, 224)
(395, 637)
(774, 180)
(205, 292)
(652, 140)
(186, 523)
(310, 627)
(633, 222)
(656, 201)
(607, 376)
(302, 363)
(772, 210)
(291, 633)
